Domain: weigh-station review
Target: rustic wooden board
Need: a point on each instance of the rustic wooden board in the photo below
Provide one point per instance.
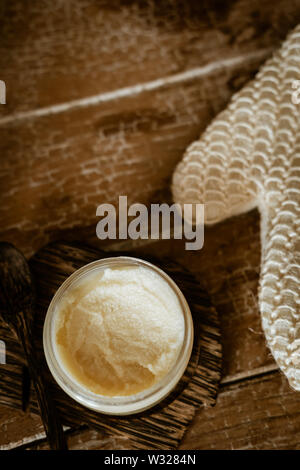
(244, 351)
(164, 425)
(18, 428)
(231, 277)
(260, 413)
(86, 439)
(256, 413)
(52, 52)
(50, 56)
(56, 169)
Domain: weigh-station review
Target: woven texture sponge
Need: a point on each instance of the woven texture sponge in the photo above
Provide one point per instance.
(248, 157)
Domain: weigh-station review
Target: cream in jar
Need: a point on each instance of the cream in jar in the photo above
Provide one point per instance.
(118, 335)
(120, 331)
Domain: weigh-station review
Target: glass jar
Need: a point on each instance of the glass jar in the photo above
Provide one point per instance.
(114, 405)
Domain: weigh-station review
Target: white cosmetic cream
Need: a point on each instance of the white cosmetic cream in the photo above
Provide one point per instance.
(118, 335)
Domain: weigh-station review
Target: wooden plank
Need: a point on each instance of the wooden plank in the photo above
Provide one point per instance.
(231, 276)
(86, 439)
(18, 428)
(53, 52)
(174, 49)
(25, 431)
(163, 426)
(56, 169)
(262, 413)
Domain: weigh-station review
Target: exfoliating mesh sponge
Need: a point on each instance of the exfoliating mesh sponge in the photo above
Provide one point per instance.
(249, 156)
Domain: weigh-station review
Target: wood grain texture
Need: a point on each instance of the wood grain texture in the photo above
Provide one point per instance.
(257, 414)
(53, 52)
(262, 413)
(55, 170)
(85, 439)
(17, 307)
(231, 277)
(162, 426)
(232, 282)
(18, 428)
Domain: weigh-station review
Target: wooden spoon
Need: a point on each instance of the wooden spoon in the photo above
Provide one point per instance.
(17, 299)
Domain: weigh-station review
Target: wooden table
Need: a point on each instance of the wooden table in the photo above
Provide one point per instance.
(102, 99)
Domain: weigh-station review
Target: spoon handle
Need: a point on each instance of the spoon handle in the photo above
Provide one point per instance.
(17, 305)
(50, 418)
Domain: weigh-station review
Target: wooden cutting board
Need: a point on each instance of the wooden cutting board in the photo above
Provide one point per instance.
(161, 427)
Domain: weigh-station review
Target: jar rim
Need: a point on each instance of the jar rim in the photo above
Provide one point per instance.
(116, 405)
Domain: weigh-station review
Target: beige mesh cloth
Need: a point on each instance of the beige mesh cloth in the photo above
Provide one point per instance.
(249, 156)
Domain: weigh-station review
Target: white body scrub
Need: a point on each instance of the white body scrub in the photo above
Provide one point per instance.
(120, 330)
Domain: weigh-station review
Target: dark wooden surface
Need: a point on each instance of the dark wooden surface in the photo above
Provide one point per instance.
(161, 427)
(57, 165)
(17, 312)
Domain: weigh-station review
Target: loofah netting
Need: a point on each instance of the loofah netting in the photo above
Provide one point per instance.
(249, 156)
